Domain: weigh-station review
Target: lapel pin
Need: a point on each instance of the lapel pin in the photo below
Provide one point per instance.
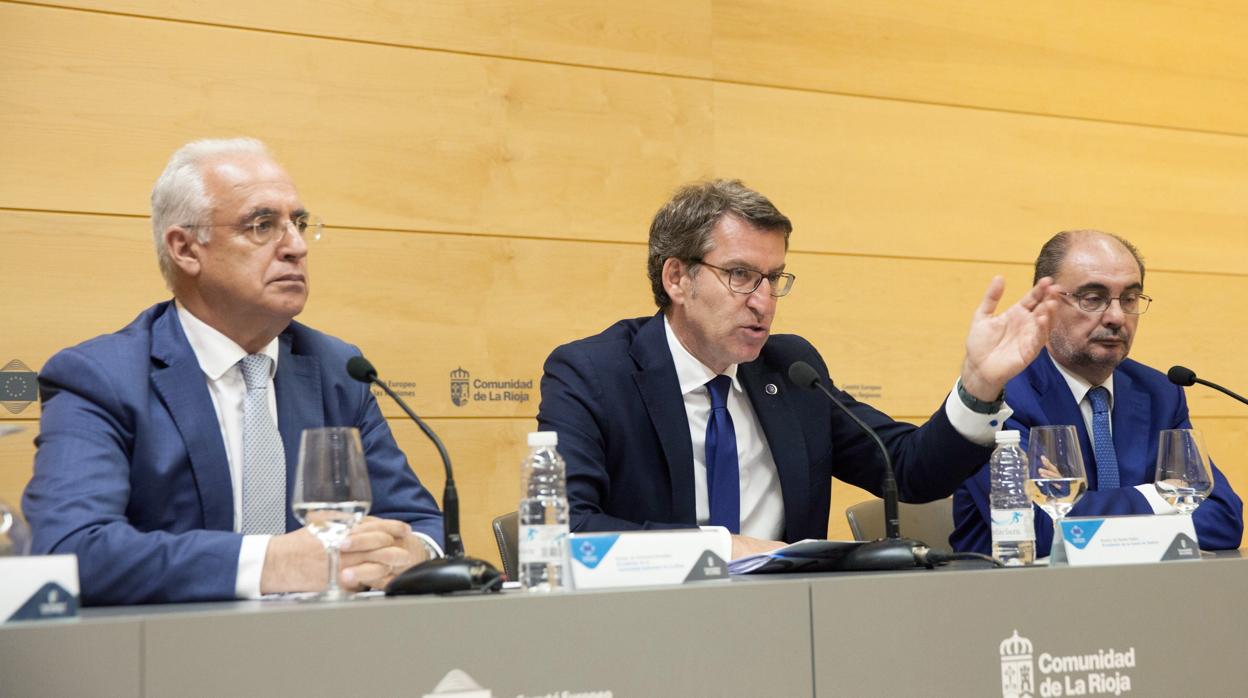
(771, 389)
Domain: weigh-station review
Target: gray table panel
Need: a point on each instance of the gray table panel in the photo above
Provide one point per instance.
(702, 640)
(942, 633)
(70, 658)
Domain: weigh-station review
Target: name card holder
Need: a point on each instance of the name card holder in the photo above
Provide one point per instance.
(38, 587)
(648, 558)
(1120, 540)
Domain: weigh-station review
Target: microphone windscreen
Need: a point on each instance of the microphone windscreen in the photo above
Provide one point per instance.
(1181, 375)
(361, 369)
(803, 374)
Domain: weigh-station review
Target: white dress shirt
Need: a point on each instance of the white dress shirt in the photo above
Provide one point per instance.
(218, 357)
(1079, 388)
(762, 504)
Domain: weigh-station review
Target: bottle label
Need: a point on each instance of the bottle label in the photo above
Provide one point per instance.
(1013, 525)
(543, 544)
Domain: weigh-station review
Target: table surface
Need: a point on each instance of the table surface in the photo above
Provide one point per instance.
(957, 631)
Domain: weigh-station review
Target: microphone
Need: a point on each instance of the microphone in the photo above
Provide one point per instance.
(1184, 376)
(455, 571)
(891, 552)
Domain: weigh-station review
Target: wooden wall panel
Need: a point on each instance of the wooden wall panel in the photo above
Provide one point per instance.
(1176, 64)
(877, 177)
(642, 35)
(424, 305)
(375, 136)
(483, 163)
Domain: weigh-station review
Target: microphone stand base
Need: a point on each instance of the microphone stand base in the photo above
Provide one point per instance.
(886, 554)
(447, 576)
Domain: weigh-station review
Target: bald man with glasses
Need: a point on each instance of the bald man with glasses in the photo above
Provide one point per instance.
(1118, 406)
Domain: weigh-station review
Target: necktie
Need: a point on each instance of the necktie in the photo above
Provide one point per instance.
(722, 478)
(1103, 441)
(264, 457)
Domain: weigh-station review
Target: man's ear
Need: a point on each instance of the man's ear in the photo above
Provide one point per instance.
(676, 279)
(183, 249)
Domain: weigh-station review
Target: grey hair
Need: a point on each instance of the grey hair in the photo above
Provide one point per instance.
(178, 197)
(1053, 253)
(682, 227)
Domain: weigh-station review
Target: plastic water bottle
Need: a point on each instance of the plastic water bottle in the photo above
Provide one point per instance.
(1013, 531)
(543, 525)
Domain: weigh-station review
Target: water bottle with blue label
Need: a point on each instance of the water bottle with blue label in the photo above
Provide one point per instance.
(543, 526)
(1013, 530)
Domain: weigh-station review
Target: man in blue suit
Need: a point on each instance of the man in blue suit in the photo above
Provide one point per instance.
(167, 450)
(1117, 405)
(686, 418)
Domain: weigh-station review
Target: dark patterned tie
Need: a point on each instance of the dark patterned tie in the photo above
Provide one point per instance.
(264, 457)
(1103, 441)
(722, 472)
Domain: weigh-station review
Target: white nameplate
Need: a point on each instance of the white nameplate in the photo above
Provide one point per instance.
(1117, 540)
(38, 586)
(644, 558)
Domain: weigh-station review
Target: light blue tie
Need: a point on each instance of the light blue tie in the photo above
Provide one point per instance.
(264, 457)
(1103, 440)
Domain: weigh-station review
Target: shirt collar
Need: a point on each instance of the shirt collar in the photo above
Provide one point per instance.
(215, 352)
(1080, 387)
(691, 373)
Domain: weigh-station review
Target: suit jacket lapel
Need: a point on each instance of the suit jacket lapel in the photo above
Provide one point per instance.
(1059, 407)
(660, 391)
(785, 439)
(1131, 409)
(297, 383)
(182, 387)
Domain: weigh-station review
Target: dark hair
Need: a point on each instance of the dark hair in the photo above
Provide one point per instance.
(1054, 252)
(682, 227)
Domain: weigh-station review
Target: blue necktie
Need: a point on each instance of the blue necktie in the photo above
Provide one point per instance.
(722, 479)
(1103, 441)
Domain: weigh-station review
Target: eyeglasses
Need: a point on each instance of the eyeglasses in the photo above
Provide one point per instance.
(1096, 302)
(742, 280)
(268, 227)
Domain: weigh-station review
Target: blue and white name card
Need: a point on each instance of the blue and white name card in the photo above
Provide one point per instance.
(1119, 540)
(38, 587)
(648, 558)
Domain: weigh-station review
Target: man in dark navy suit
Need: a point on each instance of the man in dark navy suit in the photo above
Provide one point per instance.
(167, 450)
(1084, 377)
(686, 418)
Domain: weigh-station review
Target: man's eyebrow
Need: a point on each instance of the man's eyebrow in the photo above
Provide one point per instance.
(258, 212)
(739, 264)
(1102, 288)
(1094, 286)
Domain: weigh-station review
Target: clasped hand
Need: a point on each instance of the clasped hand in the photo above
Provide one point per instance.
(375, 552)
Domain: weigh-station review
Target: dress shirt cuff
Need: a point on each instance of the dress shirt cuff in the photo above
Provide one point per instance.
(435, 550)
(250, 566)
(1159, 505)
(975, 427)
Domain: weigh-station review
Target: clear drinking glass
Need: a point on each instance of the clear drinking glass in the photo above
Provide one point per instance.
(1184, 475)
(1056, 478)
(332, 492)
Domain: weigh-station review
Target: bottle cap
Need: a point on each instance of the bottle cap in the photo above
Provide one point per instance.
(1008, 436)
(545, 438)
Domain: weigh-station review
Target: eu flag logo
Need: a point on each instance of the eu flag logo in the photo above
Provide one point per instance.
(19, 386)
